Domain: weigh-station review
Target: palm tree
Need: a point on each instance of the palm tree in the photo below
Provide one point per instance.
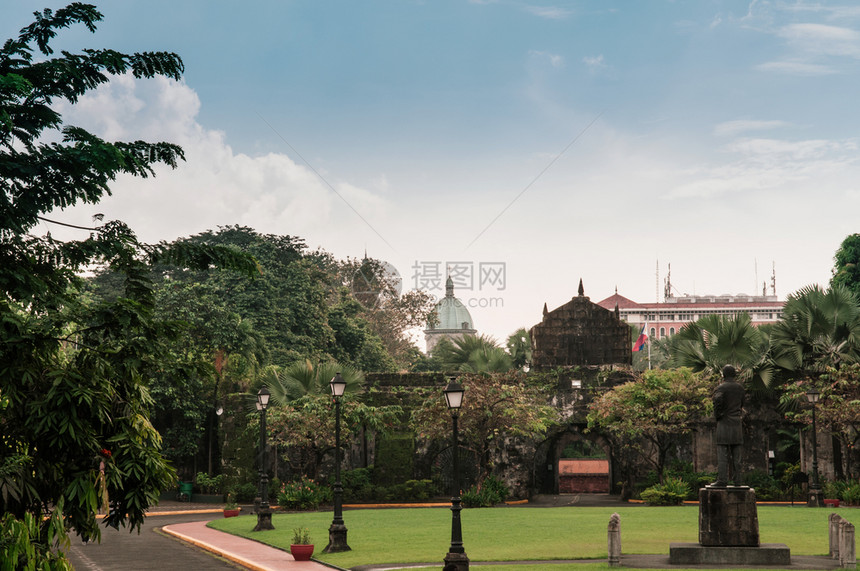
(304, 378)
(519, 347)
(474, 354)
(714, 341)
(820, 328)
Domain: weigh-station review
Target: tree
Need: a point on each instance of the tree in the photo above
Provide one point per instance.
(76, 434)
(303, 378)
(714, 341)
(519, 348)
(473, 354)
(846, 271)
(305, 427)
(820, 328)
(654, 409)
(495, 406)
(837, 411)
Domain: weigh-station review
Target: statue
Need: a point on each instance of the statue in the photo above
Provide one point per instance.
(728, 410)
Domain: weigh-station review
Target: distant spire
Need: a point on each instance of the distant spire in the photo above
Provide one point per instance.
(545, 310)
(581, 289)
(449, 287)
(616, 291)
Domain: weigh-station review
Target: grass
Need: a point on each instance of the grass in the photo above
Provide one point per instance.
(507, 534)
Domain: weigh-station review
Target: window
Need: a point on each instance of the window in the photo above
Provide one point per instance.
(671, 331)
(653, 332)
(662, 332)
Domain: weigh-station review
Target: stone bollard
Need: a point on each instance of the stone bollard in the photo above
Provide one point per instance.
(847, 549)
(842, 542)
(833, 535)
(614, 540)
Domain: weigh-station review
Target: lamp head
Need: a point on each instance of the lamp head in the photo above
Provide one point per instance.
(812, 395)
(263, 398)
(338, 385)
(454, 395)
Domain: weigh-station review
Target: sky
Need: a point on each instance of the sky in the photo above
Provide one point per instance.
(520, 146)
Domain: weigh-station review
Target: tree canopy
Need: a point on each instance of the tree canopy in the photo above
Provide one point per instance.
(75, 425)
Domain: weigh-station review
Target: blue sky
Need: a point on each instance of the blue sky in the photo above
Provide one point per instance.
(566, 140)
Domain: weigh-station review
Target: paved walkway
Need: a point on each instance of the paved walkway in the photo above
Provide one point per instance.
(246, 552)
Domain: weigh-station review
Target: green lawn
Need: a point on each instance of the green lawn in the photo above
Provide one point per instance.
(507, 534)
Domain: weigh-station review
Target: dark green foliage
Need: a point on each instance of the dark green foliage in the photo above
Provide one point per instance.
(671, 492)
(683, 471)
(304, 494)
(846, 270)
(767, 488)
(487, 494)
(75, 419)
(394, 457)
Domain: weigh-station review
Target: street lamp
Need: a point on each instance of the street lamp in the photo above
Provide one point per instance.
(337, 531)
(456, 554)
(815, 498)
(264, 514)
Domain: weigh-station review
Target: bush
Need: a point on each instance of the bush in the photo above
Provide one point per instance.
(488, 493)
(210, 484)
(766, 487)
(357, 486)
(244, 493)
(851, 494)
(670, 493)
(303, 495)
(684, 471)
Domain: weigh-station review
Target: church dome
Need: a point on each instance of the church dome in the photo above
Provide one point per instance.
(451, 313)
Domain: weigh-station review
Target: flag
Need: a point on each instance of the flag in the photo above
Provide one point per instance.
(640, 341)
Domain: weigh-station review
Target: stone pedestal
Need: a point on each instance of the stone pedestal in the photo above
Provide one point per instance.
(728, 517)
(728, 532)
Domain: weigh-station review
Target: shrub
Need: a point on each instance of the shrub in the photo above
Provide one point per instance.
(244, 493)
(670, 493)
(304, 494)
(851, 494)
(210, 484)
(766, 486)
(488, 493)
(357, 484)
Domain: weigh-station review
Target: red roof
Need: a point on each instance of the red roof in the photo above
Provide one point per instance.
(622, 302)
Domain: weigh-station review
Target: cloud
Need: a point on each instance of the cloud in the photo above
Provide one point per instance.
(732, 128)
(554, 60)
(796, 68)
(771, 164)
(822, 40)
(550, 12)
(594, 62)
(215, 185)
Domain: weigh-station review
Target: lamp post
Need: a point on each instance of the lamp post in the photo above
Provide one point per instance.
(264, 514)
(337, 531)
(815, 498)
(456, 554)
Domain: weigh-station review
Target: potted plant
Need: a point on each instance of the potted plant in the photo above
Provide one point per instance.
(301, 548)
(231, 508)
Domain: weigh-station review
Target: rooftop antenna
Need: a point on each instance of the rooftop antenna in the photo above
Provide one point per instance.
(773, 280)
(755, 287)
(667, 290)
(657, 283)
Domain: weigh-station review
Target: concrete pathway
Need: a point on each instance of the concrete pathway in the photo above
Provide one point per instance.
(246, 552)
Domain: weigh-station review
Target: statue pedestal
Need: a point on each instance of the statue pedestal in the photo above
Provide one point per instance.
(728, 532)
(728, 517)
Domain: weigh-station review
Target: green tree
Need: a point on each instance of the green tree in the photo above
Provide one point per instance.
(837, 411)
(519, 346)
(846, 271)
(820, 328)
(473, 354)
(714, 341)
(495, 406)
(651, 412)
(76, 434)
(303, 378)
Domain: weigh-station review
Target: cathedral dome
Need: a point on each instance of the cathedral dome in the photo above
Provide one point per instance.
(451, 313)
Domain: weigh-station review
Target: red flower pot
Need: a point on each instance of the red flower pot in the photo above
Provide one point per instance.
(301, 552)
(231, 513)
